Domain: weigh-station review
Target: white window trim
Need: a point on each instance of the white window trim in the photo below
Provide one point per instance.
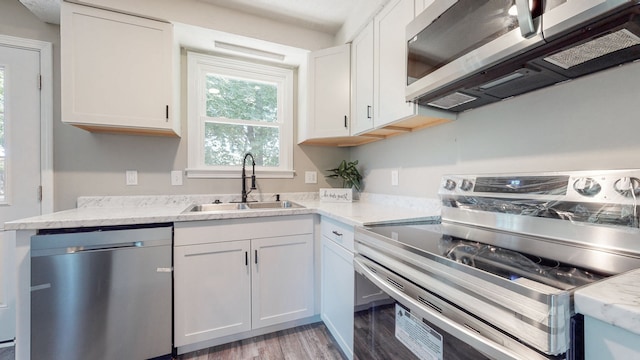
(197, 65)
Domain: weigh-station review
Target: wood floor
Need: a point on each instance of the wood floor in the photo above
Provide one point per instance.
(307, 342)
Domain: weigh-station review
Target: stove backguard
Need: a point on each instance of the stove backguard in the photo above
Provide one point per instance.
(556, 215)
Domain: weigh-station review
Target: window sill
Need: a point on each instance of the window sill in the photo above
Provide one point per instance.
(235, 174)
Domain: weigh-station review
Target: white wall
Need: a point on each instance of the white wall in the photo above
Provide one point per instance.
(201, 13)
(95, 164)
(589, 123)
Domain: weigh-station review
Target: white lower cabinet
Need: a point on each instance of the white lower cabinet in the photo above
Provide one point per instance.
(234, 276)
(337, 280)
(282, 279)
(218, 301)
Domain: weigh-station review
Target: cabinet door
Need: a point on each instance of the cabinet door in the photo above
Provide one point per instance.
(338, 293)
(362, 81)
(421, 5)
(329, 92)
(116, 71)
(212, 291)
(390, 68)
(282, 279)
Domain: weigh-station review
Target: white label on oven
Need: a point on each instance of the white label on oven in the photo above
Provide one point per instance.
(417, 336)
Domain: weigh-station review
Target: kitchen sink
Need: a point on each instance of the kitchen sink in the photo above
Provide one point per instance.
(217, 207)
(285, 204)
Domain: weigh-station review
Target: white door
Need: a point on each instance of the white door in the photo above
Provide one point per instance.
(19, 160)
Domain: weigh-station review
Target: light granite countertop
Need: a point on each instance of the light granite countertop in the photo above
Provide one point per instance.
(615, 301)
(130, 210)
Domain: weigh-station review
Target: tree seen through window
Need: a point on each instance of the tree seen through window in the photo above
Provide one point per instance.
(242, 117)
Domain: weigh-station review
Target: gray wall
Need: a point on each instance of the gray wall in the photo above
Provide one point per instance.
(589, 123)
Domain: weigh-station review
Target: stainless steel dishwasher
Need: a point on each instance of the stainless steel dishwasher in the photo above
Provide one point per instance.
(102, 294)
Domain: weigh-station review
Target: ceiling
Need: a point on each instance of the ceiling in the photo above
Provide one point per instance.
(321, 15)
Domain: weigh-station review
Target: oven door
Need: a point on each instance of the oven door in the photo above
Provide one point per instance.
(412, 323)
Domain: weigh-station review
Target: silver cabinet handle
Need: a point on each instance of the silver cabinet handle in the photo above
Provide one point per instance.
(524, 18)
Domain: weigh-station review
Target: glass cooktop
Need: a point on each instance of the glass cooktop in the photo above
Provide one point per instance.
(506, 263)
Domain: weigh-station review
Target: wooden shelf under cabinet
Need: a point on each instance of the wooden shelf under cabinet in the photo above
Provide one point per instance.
(405, 126)
(400, 127)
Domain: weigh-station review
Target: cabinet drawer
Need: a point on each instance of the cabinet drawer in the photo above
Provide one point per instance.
(338, 232)
(212, 231)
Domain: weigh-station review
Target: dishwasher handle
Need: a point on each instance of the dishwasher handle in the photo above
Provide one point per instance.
(87, 248)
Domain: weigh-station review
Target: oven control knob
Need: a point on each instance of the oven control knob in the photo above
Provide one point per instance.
(628, 186)
(587, 186)
(449, 184)
(466, 185)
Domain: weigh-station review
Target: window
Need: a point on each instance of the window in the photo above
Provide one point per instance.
(235, 107)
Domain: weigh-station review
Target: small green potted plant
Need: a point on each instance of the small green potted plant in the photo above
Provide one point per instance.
(348, 172)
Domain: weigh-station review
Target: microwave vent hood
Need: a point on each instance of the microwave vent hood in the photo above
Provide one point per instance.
(605, 40)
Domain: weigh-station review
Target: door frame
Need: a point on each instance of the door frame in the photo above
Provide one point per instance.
(46, 113)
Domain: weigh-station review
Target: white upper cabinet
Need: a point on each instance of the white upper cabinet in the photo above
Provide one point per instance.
(378, 75)
(329, 93)
(329, 100)
(362, 81)
(421, 5)
(390, 62)
(117, 72)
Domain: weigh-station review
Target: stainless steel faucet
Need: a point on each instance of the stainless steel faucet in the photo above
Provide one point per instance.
(244, 177)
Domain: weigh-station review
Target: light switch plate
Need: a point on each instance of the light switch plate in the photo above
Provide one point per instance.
(131, 177)
(176, 177)
(394, 177)
(310, 177)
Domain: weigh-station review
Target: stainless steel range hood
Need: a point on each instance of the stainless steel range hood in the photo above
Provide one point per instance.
(464, 54)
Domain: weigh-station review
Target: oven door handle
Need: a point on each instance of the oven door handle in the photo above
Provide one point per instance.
(477, 341)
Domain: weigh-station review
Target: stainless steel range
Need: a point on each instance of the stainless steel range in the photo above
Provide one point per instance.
(495, 279)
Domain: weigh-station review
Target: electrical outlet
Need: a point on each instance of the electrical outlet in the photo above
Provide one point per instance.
(176, 177)
(131, 177)
(394, 177)
(310, 177)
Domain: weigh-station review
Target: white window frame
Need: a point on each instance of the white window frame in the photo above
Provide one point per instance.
(198, 65)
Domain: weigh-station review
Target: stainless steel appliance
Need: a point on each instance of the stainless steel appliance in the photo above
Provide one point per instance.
(496, 278)
(102, 294)
(466, 53)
